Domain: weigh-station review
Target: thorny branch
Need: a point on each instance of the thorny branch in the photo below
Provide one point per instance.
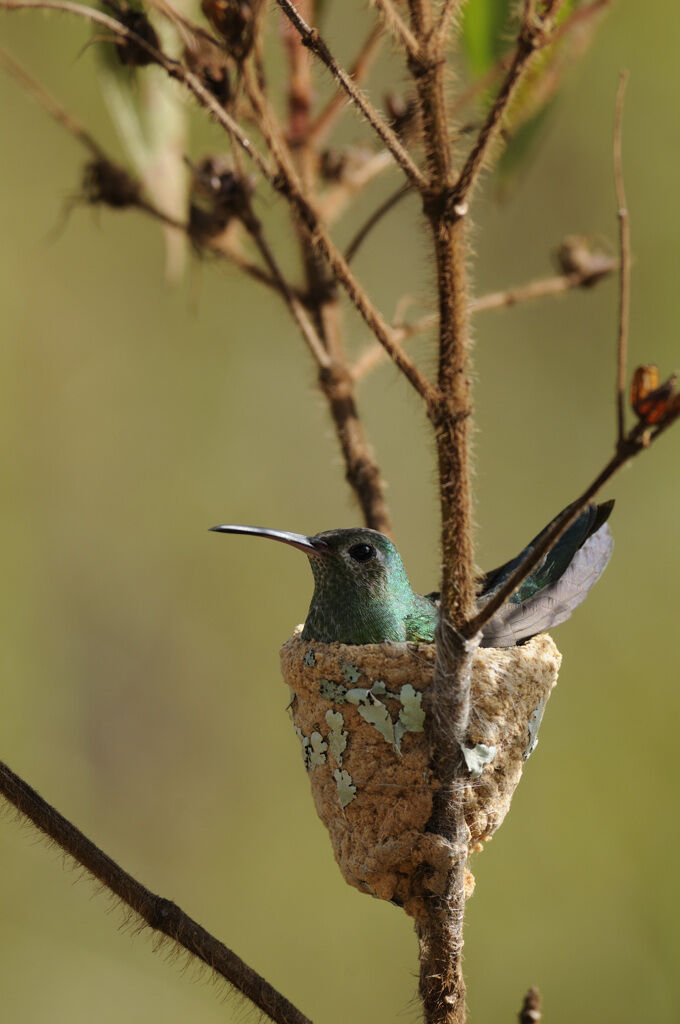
(160, 914)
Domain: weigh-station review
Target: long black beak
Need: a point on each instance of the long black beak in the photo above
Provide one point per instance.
(310, 545)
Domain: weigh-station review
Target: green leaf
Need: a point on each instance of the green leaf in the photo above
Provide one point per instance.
(485, 33)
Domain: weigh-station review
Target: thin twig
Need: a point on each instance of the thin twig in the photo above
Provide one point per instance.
(160, 914)
(307, 329)
(543, 288)
(49, 103)
(393, 22)
(360, 68)
(374, 219)
(316, 44)
(624, 264)
(446, 14)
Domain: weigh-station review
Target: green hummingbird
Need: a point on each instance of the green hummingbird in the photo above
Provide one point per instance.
(362, 594)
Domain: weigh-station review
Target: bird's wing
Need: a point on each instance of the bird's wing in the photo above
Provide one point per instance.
(554, 603)
(557, 559)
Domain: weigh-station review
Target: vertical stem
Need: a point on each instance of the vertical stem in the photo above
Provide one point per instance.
(624, 264)
(440, 934)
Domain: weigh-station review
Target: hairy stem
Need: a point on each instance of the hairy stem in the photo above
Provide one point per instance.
(159, 914)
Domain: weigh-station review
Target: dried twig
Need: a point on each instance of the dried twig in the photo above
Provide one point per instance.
(49, 103)
(374, 219)
(624, 264)
(161, 915)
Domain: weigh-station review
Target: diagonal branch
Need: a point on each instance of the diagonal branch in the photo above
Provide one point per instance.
(535, 34)
(316, 44)
(637, 440)
(160, 914)
(324, 122)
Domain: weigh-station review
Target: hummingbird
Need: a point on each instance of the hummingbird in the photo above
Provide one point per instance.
(362, 594)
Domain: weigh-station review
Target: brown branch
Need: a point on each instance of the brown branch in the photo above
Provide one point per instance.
(338, 102)
(440, 932)
(316, 44)
(624, 264)
(160, 914)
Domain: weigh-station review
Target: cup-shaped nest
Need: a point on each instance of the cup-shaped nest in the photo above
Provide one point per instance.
(360, 713)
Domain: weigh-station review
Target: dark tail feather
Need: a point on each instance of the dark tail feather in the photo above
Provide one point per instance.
(559, 583)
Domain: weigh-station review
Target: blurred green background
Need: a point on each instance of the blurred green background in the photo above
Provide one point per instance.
(141, 691)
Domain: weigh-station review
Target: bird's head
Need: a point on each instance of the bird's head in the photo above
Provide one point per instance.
(361, 590)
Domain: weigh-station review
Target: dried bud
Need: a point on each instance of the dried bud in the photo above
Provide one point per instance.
(581, 255)
(210, 65)
(652, 401)
(218, 197)
(134, 18)
(106, 183)
(235, 20)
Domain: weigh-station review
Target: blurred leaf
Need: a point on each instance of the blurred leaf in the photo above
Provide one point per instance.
(485, 37)
(523, 144)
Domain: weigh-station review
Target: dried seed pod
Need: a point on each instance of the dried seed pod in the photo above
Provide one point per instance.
(110, 185)
(210, 65)
(236, 21)
(134, 18)
(581, 255)
(219, 196)
(360, 714)
(650, 400)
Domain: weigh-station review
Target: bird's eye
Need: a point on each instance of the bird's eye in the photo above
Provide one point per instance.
(362, 552)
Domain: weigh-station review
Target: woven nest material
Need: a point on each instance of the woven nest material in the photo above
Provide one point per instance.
(360, 714)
